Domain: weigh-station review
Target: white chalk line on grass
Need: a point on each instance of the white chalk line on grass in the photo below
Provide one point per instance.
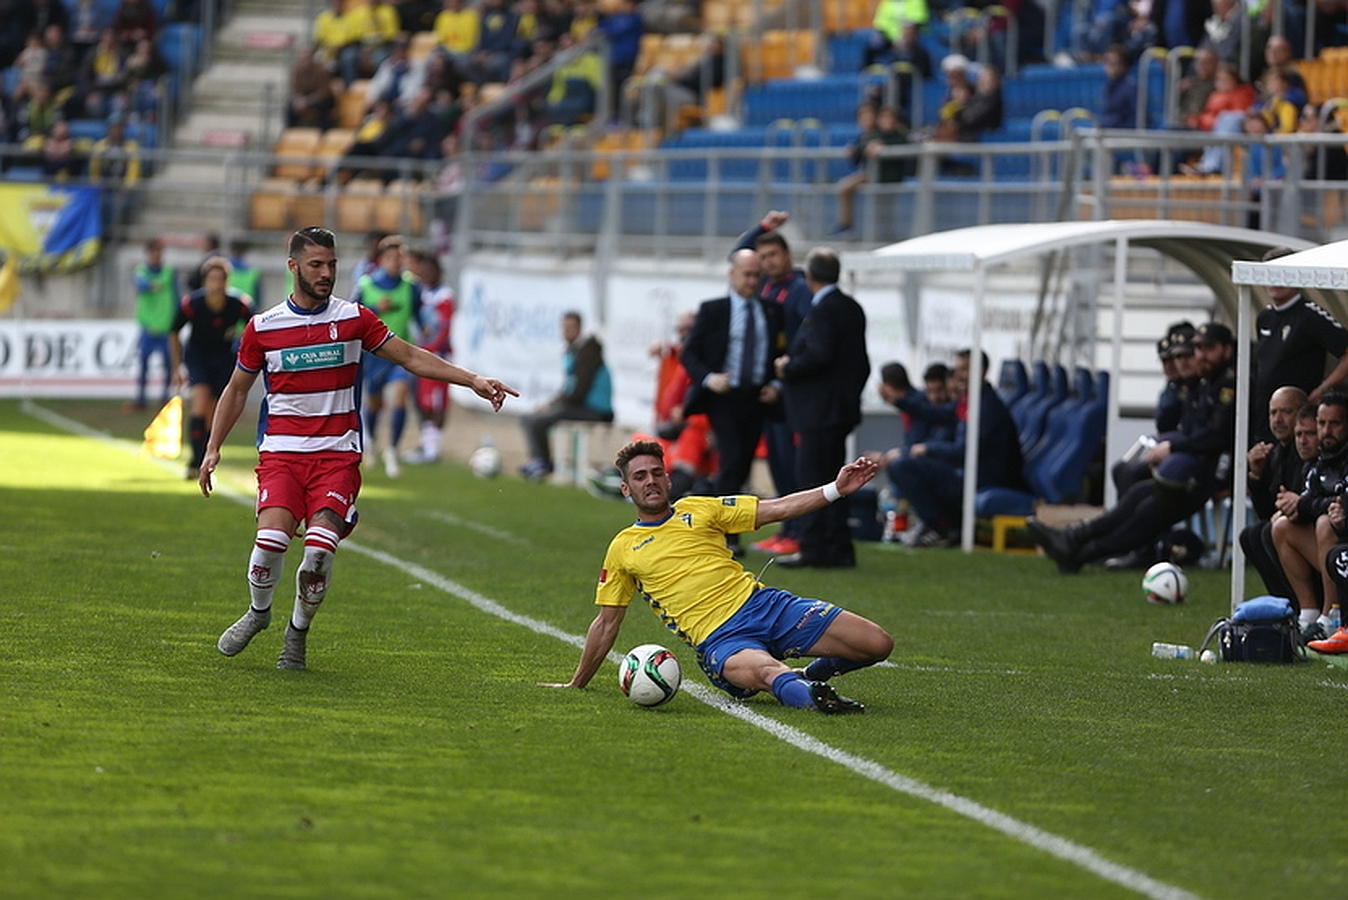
(481, 528)
(1046, 841)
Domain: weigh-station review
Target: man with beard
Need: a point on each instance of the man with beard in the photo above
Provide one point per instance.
(1184, 465)
(309, 435)
(676, 556)
(1303, 533)
(1275, 467)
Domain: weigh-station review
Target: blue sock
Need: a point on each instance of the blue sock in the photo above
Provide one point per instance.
(371, 423)
(792, 690)
(825, 667)
(399, 423)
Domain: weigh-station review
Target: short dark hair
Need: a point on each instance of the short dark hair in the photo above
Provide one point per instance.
(823, 266)
(896, 376)
(1335, 397)
(964, 354)
(1307, 411)
(936, 372)
(390, 242)
(634, 449)
(772, 237)
(573, 314)
(238, 247)
(313, 236)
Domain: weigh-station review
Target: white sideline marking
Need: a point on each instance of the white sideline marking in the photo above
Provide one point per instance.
(500, 534)
(1052, 844)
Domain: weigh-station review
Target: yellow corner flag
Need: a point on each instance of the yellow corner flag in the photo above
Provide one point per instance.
(9, 282)
(164, 436)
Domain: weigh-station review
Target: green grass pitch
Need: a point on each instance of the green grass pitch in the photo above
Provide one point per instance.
(418, 756)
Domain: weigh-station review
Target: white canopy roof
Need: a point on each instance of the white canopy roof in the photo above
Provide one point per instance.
(1324, 267)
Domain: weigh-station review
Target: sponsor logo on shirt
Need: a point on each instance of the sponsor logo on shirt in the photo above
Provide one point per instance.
(644, 543)
(727, 501)
(318, 357)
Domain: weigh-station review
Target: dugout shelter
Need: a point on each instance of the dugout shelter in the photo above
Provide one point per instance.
(1208, 251)
(1322, 274)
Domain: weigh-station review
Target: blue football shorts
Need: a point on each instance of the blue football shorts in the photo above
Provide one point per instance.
(379, 372)
(773, 620)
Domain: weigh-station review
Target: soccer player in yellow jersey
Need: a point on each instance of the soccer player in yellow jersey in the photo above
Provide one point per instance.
(676, 556)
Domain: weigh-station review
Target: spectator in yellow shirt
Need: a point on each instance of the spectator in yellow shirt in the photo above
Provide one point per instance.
(457, 28)
(335, 38)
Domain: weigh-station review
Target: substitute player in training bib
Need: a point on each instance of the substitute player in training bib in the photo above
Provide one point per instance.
(309, 434)
(676, 557)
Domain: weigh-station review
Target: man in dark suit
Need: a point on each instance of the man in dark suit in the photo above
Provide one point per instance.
(823, 375)
(728, 356)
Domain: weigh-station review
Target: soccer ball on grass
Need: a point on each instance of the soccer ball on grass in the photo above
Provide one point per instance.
(485, 462)
(649, 675)
(1165, 583)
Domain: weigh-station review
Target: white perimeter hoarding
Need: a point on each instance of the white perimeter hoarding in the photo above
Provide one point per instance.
(74, 358)
(508, 326)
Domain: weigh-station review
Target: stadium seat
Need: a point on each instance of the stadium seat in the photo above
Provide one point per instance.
(1036, 414)
(351, 105)
(1013, 382)
(297, 142)
(1063, 468)
(269, 209)
(334, 143)
(398, 209)
(1058, 423)
(355, 204)
(1038, 389)
(309, 207)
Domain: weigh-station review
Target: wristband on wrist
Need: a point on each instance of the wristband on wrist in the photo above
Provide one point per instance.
(831, 492)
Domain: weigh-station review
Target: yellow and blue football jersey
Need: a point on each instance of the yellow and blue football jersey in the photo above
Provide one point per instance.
(682, 565)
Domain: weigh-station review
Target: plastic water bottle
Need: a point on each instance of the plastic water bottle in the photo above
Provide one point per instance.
(1335, 618)
(1172, 651)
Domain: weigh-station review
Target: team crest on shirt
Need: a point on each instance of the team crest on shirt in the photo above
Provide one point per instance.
(727, 501)
(1286, 330)
(332, 331)
(687, 519)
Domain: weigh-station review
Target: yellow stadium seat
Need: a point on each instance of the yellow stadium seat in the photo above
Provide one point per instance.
(351, 105)
(269, 209)
(355, 204)
(399, 208)
(309, 207)
(296, 142)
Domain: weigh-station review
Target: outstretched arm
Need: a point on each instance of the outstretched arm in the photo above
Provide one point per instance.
(428, 365)
(851, 478)
(227, 411)
(598, 642)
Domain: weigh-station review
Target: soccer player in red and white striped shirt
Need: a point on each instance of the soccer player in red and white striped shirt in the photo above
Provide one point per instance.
(309, 432)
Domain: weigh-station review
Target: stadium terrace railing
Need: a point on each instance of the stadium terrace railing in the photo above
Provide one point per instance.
(689, 201)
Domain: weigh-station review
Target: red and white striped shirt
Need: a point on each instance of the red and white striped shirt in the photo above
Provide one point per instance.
(311, 365)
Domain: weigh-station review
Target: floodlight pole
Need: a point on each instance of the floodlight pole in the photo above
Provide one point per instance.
(974, 413)
(1115, 357)
(1239, 465)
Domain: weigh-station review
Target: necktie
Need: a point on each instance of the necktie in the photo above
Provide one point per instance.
(750, 350)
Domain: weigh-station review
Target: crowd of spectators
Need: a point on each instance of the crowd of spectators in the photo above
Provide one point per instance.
(413, 107)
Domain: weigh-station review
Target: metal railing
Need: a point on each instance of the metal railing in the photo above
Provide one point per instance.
(575, 200)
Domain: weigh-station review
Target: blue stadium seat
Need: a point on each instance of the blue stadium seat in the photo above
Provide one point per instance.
(1036, 415)
(846, 52)
(23, 174)
(11, 80)
(180, 46)
(1061, 471)
(88, 129)
(1060, 420)
(1039, 386)
(1013, 382)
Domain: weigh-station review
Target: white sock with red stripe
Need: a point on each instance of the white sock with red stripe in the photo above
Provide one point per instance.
(264, 566)
(311, 581)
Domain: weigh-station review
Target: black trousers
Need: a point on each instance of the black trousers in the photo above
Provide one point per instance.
(1257, 542)
(824, 536)
(1139, 518)
(737, 422)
